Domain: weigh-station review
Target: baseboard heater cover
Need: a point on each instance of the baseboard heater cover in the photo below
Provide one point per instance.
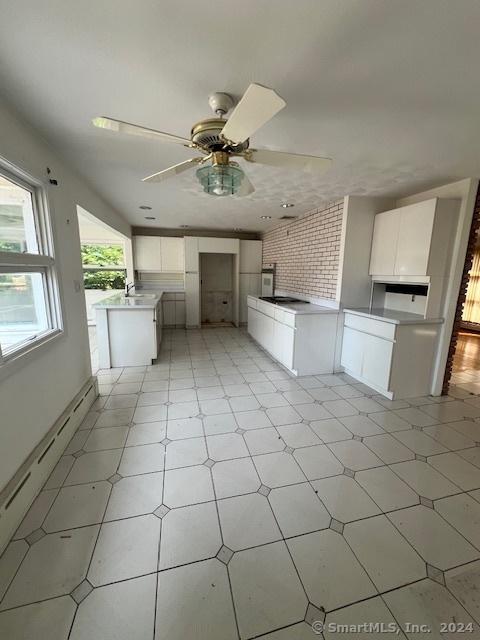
(17, 497)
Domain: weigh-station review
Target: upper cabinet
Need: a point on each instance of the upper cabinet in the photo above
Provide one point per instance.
(414, 240)
(250, 256)
(160, 254)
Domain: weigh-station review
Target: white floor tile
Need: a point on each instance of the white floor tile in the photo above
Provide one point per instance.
(50, 619)
(373, 611)
(361, 426)
(298, 510)
(383, 551)
(10, 560)
(206, 611)
(95, 466)
(222, 423)
(469, 429)
(463, 583)
(226, 446)
(214, 407)
(263, 441)
(182, 395)
(247, 521)
(345, 499)
(451, 411)
(426, 603)
(450, 438)
(189, 534)
(120, 611)
(424, 479)
(415, 417)
(390, 422)
(145, 458)
(246, 403)
(184, 428)
(434, 539)
(235, 477)
(355, 455)
(340, 408)
(331, 430)
(317, 462)
(152, 413)
(298, 435)
(420, 442)
(107, 438)
(386, 488)
(283, 415)
(252, 419)
(78, 506)
(185, 453)
(125, 549)
(147, 433)
(184, 410)
(53, 566)
(135, 496)
(36, 514)
(463, 513)
(471, 455)
(187, 486)
(278, 469)
(298, 397)
(459, 471)
(114, 418)
(388, 448)
(266, 590)
(330, 573)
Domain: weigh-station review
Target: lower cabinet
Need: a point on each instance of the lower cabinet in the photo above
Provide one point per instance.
(173, 305)
(394, 359)
(303, 343)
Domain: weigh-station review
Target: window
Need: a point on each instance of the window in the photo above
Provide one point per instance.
(29, 308)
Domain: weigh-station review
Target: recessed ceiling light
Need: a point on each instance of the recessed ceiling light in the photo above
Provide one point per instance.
(184, 226)
(266, 217)
(150, 218)
(287, 205)
(145, 207)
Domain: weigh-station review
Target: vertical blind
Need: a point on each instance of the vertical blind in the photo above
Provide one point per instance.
(471, 309)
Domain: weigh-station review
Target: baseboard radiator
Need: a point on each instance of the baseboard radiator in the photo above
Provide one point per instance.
(23, 488)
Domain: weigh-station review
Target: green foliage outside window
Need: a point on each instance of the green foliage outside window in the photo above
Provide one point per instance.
(99, 255)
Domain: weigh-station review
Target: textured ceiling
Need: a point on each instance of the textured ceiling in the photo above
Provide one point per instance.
(388, 89)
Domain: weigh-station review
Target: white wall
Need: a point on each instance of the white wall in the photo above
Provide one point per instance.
(34, 395)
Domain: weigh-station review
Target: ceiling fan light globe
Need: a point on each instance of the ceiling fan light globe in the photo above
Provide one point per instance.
(220, 180)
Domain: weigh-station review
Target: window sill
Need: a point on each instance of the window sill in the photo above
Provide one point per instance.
(28, 353)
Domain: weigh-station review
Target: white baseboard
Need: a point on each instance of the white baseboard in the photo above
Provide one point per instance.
(23, 488)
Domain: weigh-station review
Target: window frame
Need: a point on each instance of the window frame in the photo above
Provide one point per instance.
(43, 262)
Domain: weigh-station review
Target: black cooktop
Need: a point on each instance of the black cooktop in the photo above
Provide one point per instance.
(281, 299)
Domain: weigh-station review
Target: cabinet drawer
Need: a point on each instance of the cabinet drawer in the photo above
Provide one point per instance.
(370, 325)
(267, 309)
(168, 296)
(180, 296)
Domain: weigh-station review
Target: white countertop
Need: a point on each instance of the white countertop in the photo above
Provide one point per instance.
(393, 316)
(120, 301)
(300, 308)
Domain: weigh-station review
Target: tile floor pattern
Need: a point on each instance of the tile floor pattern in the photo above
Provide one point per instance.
(213, 496)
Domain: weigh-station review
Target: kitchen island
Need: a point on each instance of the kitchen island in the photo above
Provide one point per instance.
(129, 329)
(301, 336)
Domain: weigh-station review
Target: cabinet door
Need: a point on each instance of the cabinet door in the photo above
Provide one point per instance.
(384, 243)
(414, 239)
(169, 313)
(253, 323)
(283, 344)
(250, 256)
(377, 361)
(180, 313)
(192, 300)
(244, 282)
(191, 254)
(173, 259)
(147, 253)
(353, 346)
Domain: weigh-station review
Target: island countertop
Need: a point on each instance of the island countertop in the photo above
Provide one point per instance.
(134, 301)
(393, 316)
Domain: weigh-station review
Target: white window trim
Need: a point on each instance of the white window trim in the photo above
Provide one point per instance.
(43, 262)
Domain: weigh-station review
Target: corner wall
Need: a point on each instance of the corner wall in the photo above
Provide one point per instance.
(37, 392)
(307, 252)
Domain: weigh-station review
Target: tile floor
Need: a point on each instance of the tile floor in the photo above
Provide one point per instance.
(212, 496)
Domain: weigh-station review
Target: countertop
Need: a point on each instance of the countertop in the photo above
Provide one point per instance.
(393, 316)
(300, 308)
(120, 301)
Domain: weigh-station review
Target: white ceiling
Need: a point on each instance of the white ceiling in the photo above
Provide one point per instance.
(388, 88)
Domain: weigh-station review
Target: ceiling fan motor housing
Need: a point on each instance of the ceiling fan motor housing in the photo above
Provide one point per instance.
(206, 134)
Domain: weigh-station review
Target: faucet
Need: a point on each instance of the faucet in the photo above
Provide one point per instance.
(129, 286)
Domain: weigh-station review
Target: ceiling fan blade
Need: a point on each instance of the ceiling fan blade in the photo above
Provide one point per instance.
(311, 164)
(257, 106)
(125, 127)
(172, 171)
(246, 188)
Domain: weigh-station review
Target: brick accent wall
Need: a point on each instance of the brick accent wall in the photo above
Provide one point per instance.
(307, 251)
(462, 294)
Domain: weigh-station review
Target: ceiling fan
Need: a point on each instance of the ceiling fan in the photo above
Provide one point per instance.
(220, 140)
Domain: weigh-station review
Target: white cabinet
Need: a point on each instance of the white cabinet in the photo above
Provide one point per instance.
(394, 359)
(172, 254)
(147, 253)
(191, 254)
(173, 309)
(250, 256)
(384, 243)
(414, 240)
(192, 299)
(168, 313)
(303, 343)
(159, 254)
